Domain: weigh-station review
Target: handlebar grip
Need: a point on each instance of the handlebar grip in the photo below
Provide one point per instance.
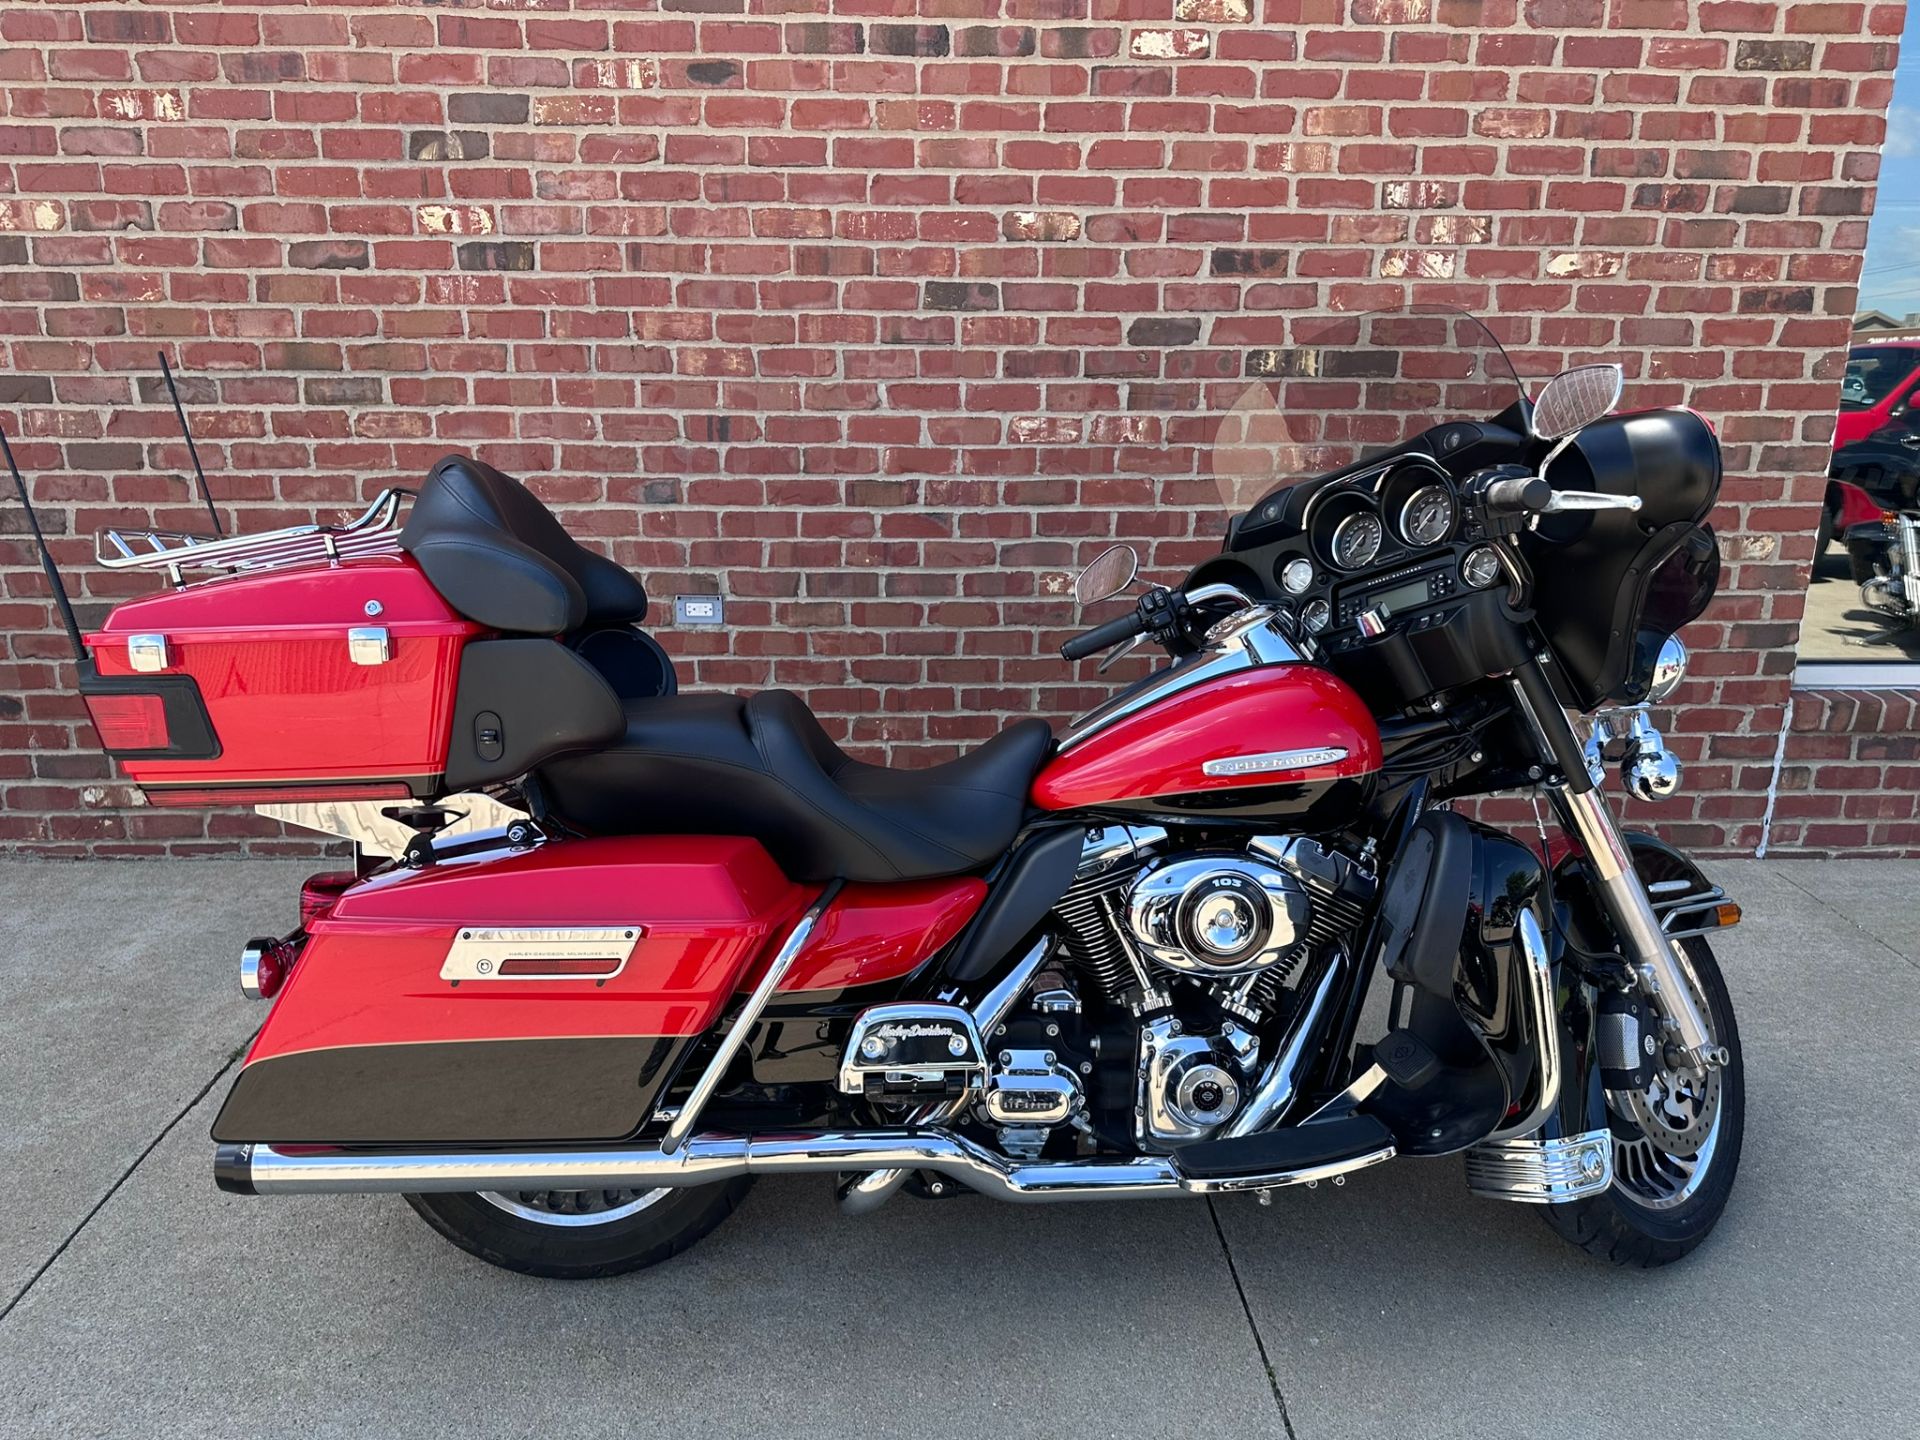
(1104, 637)
(1519, 496)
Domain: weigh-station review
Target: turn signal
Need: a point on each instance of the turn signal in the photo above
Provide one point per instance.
(263, 967)
(1727, 913)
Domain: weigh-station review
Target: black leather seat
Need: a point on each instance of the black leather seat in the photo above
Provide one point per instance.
(718, 764)
(500, 558)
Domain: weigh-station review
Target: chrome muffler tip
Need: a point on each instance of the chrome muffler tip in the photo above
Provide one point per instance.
(233, 1169)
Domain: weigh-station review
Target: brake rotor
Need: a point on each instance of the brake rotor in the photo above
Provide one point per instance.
(1677, 1110)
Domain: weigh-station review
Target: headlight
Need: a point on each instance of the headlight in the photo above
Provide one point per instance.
(1668, 671)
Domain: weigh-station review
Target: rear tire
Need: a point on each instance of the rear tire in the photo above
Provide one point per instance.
(574, 1243)
(1660, 1205)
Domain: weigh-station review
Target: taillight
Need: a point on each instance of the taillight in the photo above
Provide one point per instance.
(321, 892)
(129, 722)
(148, 717)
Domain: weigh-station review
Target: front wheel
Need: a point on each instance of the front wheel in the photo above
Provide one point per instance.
(579, 1234)
(1676, 1148)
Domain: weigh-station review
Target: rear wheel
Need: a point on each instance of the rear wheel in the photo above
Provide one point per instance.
(1676, 1148)
(579, 1234)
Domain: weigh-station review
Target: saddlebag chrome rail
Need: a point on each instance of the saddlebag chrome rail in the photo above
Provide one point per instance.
(705, 1159)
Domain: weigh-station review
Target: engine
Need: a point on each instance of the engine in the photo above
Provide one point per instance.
(1189, 952)
(1151, 1022)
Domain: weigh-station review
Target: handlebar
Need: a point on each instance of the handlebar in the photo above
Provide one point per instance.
(1103, 637)
(1164, 614)
(1521, 494)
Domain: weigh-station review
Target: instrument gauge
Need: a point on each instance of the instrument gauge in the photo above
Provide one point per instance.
(1296, 575)
(1316, 615)
(1356, 540)
(1427, 516)
(1481, 567)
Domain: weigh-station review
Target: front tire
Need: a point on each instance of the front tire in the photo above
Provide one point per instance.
(1663, 1202)
(580, 1235)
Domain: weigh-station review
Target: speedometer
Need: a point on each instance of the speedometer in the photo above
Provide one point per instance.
(1427, 517)
(1356, 540)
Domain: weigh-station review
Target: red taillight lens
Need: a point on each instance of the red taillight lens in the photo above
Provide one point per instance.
(129, 722)
(320, 893)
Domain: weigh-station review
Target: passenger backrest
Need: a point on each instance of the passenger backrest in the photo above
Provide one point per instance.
(500, 558)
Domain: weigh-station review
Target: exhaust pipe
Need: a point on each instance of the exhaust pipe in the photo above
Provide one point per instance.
(703, 1160)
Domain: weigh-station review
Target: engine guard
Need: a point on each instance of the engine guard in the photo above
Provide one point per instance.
(1462, 935)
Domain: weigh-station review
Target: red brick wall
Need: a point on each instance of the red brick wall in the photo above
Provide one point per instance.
(879, 322)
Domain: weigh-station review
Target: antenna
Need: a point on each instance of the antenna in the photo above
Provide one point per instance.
(46, 556)
(192, 450)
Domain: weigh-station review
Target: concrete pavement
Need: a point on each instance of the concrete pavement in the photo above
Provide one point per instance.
(138, 1301)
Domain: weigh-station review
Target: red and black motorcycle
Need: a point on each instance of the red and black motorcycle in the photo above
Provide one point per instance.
(1127, 961)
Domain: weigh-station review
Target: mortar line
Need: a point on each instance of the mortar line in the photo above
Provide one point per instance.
(1259, 1343)
(114, 1189)
(1826, 904)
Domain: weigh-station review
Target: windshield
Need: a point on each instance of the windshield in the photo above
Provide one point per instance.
(1349, 386)
(1872, 373)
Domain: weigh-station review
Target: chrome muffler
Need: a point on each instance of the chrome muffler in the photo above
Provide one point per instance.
(706, 1159)
(702, 1160)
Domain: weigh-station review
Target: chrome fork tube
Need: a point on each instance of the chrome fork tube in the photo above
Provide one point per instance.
(1585, 815)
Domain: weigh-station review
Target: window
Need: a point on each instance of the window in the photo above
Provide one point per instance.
(1862, 624)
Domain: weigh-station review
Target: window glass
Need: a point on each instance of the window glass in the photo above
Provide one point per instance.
(1862, 621)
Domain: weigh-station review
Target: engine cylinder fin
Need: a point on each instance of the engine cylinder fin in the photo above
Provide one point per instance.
(1093, 937)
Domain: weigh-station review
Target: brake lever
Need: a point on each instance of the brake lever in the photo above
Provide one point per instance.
(1120, 652)
(1564, 501)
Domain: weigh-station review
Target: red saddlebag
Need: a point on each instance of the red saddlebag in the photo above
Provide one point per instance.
(544, 996)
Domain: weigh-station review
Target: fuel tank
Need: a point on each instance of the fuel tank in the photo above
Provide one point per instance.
(1276, 742)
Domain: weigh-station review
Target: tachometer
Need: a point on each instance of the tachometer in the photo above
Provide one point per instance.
(1356, 540)
(1427, 517)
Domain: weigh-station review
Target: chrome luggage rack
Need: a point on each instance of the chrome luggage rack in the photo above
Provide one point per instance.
(375, 532)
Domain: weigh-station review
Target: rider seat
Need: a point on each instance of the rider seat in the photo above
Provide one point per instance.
(763, 766)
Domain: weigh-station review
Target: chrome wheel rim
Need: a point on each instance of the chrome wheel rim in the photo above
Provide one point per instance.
(1671, 1130)
(573, 1209)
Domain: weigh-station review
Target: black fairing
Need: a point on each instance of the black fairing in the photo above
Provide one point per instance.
(1451, 915)
(1610, 586)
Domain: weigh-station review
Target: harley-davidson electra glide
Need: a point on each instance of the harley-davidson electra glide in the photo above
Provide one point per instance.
(1129, 960)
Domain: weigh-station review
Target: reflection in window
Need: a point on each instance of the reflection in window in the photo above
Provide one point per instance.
(1862, 621)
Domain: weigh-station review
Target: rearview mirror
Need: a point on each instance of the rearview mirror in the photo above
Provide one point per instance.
(1111, 572)
(1576, 398)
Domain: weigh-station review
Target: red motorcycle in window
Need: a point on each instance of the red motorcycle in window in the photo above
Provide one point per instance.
(1129, 960)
